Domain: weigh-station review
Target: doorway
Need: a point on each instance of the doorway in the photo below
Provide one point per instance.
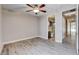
(70, 27)
(51, 28)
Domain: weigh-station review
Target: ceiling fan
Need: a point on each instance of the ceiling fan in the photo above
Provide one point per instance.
(36, 8)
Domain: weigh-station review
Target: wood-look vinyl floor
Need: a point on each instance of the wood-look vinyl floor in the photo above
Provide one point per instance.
(38, 46)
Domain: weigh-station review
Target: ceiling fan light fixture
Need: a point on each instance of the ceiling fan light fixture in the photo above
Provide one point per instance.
(36, 11)
(36, 8)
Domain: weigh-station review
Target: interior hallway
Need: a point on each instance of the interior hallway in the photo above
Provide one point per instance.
(38, 46)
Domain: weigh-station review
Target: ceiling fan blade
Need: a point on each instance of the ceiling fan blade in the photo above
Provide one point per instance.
(29, 5)
(43, 11)
(29, 10)
(41, 6)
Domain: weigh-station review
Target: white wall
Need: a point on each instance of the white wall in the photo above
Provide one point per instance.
(43, 27)
(18, 26)
(78, 28)
(58, 27)
(0, 25)
(64, 28)
(1, 46)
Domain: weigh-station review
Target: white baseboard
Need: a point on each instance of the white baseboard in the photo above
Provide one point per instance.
(23, 39)
(19, 40)
(58, 41)
(43, 37)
